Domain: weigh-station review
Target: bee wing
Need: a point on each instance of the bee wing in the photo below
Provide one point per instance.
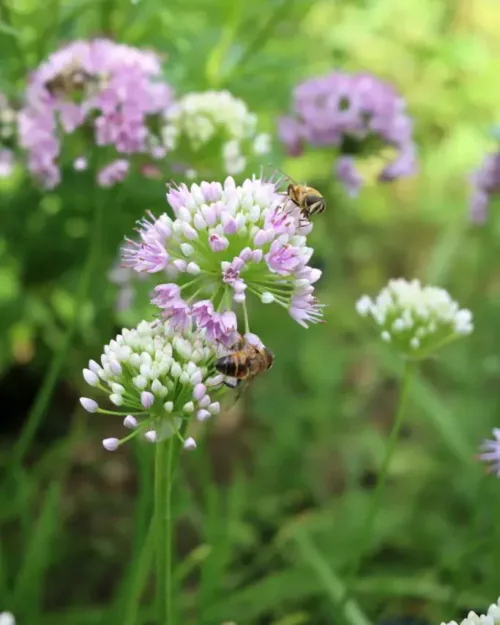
(235, 396)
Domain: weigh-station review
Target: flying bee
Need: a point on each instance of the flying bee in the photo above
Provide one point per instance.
(309, 200)
(245, 362)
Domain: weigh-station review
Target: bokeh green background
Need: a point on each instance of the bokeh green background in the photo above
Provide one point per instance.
(269, 508)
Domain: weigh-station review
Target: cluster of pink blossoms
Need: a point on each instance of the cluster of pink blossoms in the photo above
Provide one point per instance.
(224, 243)
(358, 114)
(114, 89)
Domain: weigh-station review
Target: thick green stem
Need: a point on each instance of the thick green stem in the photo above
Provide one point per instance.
(168, 532)
(163, 530)
(160, 505)
(45, 392)
(365, 534)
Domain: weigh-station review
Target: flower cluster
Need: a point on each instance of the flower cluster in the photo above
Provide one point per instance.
(112, 88)
(7, 133)
(213, 118)
(355, 113)
(417, 320)
(485, 183)
(492, 617)
(226, 241)
(160, 377)
(6, 618)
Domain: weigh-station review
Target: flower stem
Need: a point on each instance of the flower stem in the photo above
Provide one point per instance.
(366, 532)
(46, 390)
(245, 315)
(163, 530)
(168, 522)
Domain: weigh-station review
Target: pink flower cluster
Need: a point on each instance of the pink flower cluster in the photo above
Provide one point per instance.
(226, 242)
(355, 113)
(111, 88)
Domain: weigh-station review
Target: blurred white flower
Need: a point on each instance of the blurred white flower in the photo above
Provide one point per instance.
(492, 617)
(262, 144)
(202, 117)
(416, 319)
(6, 618)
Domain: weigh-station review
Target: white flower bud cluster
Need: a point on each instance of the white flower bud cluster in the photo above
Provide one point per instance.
(160, 377)
(201, 117)
(492, 617)
(6, 618)
(416, 319)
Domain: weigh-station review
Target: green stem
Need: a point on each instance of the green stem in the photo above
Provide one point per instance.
(160, 505)
(366, 532)
(163, 530)
(139, 580)
(245, 315)
(44, 395)
(168, 524)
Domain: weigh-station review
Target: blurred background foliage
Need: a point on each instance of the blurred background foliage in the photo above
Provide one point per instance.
(268, 508)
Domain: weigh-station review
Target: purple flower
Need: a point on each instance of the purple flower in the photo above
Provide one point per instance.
(168, 298)
(114, 172)
(404, 165)
(179, 313)
(222, 328)
(354, 113)
(284, 259)
(349, 175)
(166, 294)
(148, 256)
(219, 327)
(304, 308)
(291, 132)
(203, 312)
(108, 88)
(231, 242)
(491, 452)
(485, 185)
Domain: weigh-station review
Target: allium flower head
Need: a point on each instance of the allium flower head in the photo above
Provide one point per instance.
(417, 320)
(485, 184)
(199, 124)
(112, 89)
(8, 117)
(492, 617)
(158, 376)
(226, 242)
(359, 115)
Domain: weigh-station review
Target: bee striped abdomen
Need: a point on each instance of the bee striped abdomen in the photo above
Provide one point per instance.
(232, 366)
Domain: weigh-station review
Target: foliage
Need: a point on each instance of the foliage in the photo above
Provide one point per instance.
(269, 506)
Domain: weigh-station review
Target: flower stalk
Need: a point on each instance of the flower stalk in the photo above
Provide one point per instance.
(366, 531)
(163, 525)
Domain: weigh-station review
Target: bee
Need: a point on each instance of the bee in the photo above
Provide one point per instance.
(309, 200)
(72, 78)
(245, 362)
